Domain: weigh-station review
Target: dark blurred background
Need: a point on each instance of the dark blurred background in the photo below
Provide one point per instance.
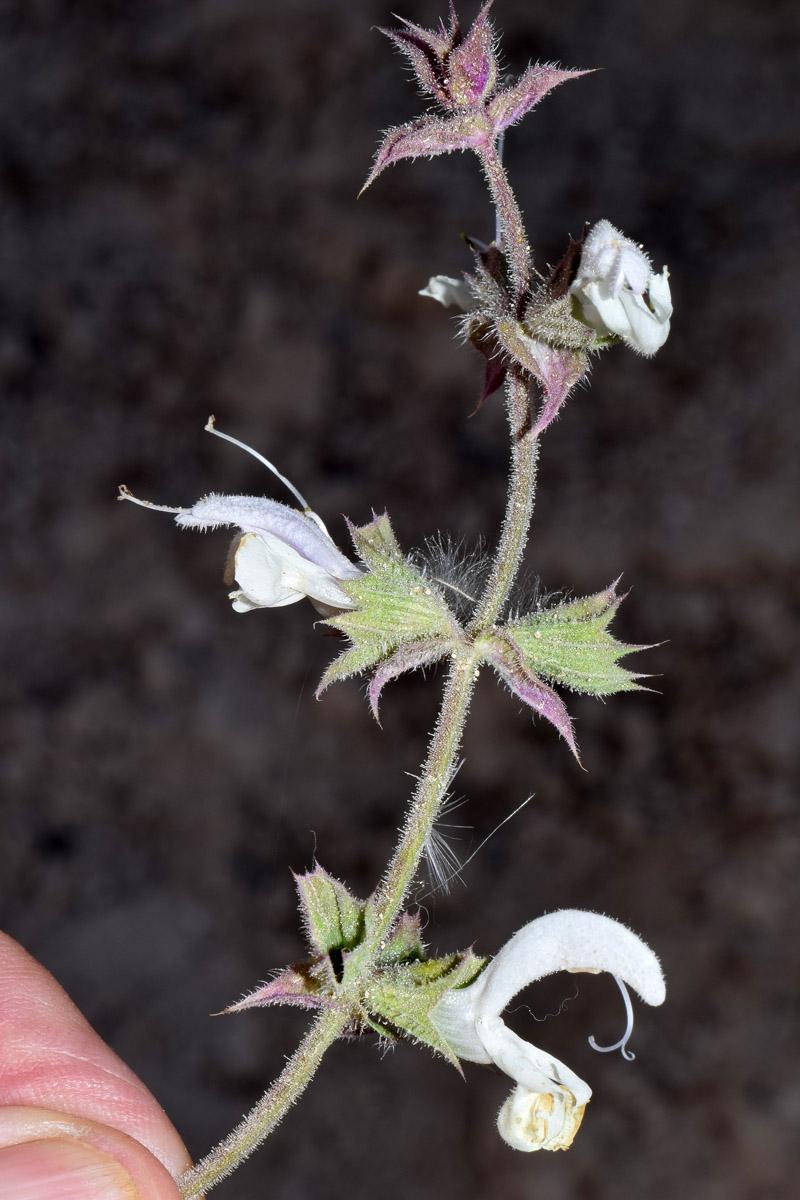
(180, 235)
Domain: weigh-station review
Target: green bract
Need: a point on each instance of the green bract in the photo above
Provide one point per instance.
(403, 996)
(332, 917)
(402, 620)
(570, 644)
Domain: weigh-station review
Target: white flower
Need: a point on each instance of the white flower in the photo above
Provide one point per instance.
(282, 555)
(618, 291)
(448, 291)
(546, 1107)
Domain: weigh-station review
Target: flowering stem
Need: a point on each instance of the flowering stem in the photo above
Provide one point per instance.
(271, 1108)
(509, 219)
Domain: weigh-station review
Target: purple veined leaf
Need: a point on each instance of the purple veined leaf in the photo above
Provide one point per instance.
(428, 136)
(559, 371)
(514, 102)
(289, 987)
(406, 658)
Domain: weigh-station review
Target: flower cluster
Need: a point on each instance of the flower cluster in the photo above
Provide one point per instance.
(603, 291)
(461, 72)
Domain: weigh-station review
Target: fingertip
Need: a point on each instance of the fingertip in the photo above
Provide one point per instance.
(46, 1155)
(61, 1169)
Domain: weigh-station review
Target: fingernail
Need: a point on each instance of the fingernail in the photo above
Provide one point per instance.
(61, 1169)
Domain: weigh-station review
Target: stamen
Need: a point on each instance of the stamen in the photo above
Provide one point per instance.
(125, 494)
(623, 1041)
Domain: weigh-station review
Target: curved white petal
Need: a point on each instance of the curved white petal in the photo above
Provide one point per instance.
(571, 940)
(531, 1067)
(259, 572)
(270, 573)
(568, 940)
(647, 332)
(660, 296)
(604, 311)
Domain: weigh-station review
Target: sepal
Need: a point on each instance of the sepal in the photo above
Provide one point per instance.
(522, 681)
(408, 657)
(400, 618)
(472, 65)
(426, 50)
(333, 918)
(301, 985)
(405, 941)
(512, 104)
(557, 369)
(402, 997)
(547, 343)
(570, 644)
(375, 542)
(428, 136)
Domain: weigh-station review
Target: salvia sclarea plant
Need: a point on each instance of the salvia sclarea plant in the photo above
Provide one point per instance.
(367, 970)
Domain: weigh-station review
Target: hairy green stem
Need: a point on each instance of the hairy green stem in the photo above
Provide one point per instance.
(439, 768)
(519, 506)
(436, 777)
(509, 220)
(271, 1108)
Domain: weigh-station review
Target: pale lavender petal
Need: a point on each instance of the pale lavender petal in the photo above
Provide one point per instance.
(256, 514)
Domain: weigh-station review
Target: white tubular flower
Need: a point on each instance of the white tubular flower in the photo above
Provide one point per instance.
(618, 291)
(282, 556)
(448, 291)
(546, 1107)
